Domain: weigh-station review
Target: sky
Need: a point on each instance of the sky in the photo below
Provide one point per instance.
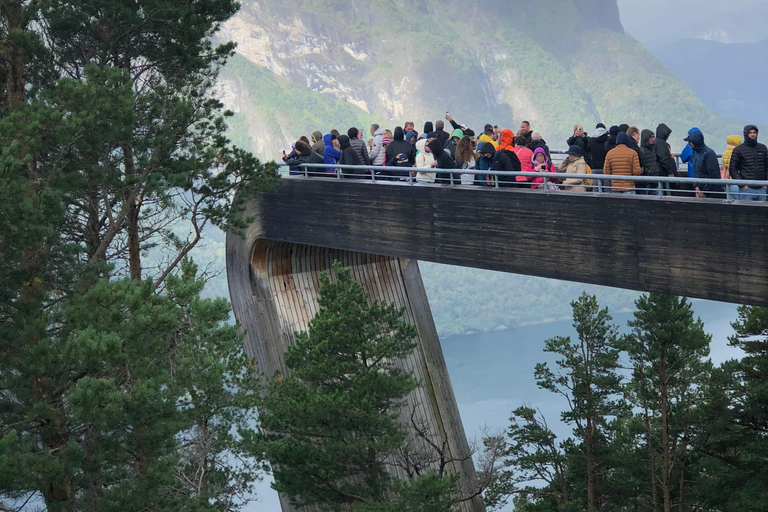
(657, 22)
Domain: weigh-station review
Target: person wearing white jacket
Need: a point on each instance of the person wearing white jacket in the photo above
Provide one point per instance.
(424, 159)
(377, 154)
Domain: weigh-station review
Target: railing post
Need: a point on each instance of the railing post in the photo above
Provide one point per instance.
(450, 174)
(495, 180)
(306, 171)
(600, 186)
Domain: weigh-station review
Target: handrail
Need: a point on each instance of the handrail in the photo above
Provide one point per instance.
(600, 177)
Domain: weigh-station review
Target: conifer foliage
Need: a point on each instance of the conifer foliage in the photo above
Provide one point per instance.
(120, 388)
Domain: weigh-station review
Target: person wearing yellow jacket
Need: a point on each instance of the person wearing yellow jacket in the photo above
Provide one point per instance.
(732, 141)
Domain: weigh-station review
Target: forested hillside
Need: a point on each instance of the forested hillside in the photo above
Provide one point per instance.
(555, 63)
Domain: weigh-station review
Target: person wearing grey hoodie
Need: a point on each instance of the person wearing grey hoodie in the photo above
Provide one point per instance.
(318, 146)
(378, 151)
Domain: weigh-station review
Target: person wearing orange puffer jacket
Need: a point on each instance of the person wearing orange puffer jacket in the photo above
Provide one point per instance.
(622, 160)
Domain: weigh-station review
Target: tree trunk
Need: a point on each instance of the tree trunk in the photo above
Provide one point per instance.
(667, 465)
(648, 441)
(14, 55)
(590, 441)
(132, 219)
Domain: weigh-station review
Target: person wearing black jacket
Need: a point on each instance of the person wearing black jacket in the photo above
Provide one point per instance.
(749, 161)
(305, 155)
(349, 157)
(611, 142)
(648, 161)
(400, 154)
(442, 161)
(580, 139)
(439, 133)
(507, 160)
(664, 160)
(705, 165)
(596, 147)
(358, 145)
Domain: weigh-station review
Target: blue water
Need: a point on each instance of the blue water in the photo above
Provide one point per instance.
(492, 374)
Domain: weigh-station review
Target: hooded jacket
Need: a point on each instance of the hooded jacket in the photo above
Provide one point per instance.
(596, 149)
(506, 159)
(749, 160)
(308, 157)
(349, 157)
(440, 135)
(525, 156)
(484, 163)
(664, 160)
(549, 167)
(731, 142)
(428, 127)
(444, 161)
(647, 154)
(450, 146)
(424, 160)
(377, 154)
(622, 160)
(330, 154)
(318, 146)
(686, 155)
(705, 163)
(400, 153)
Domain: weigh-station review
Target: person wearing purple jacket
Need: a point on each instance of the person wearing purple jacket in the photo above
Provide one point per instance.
(331, 155)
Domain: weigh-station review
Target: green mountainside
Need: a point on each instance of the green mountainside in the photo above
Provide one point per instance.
(333, 63)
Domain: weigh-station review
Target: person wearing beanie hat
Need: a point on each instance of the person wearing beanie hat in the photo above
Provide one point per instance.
(623, 127)
(574, 164)
(600, 125)
(622, 161)
(486, 154)
(579, 138)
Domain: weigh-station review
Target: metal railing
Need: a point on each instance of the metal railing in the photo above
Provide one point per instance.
(660, 186)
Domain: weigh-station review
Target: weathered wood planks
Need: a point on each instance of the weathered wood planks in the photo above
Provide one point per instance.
(703, 249)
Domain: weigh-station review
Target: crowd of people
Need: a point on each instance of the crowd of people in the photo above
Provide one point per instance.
(459, 156)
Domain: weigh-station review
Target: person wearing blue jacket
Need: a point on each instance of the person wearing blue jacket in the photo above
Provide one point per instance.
(705, 166)
(331, 155)
(686, 155)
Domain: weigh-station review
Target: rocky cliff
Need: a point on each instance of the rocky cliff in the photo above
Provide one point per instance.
(321, 64)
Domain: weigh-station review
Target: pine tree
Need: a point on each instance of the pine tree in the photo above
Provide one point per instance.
(114, 392)
(331, 426)
(734, 416)
(587, 377)
(667, 350)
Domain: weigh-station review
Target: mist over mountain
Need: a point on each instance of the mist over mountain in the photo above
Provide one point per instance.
(730, 78)
(657, 23)
(326, 64)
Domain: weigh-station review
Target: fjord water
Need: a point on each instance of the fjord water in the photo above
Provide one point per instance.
(492, 372)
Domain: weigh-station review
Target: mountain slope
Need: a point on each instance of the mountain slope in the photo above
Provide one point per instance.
(555, 63)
